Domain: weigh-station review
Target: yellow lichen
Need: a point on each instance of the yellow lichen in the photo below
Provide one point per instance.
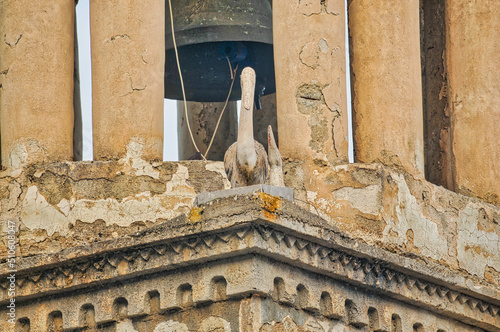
(195, 214)
(269, 205)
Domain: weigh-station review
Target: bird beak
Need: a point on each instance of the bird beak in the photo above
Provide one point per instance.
(270, 136)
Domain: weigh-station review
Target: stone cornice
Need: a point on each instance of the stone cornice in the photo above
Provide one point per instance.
(262, 225)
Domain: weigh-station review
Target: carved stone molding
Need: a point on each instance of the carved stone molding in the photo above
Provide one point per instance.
(281, 234)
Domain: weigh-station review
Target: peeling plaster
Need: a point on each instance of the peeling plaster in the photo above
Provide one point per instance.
(37, 213)
(313, 53)
(219, 168)
(477, 248)
(14, 194)
(19, 156)
(134, 148)
(427, 236)
(119, 37)
(367, 200)
(317, 7)
(23, 151)
(413, 215)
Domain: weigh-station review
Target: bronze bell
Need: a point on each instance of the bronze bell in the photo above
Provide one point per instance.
(208, 33)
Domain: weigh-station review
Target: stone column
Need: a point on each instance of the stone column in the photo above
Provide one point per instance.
(473, 60)
(386, 83)
(128, 54)
(309, 56)
(36, 81)
(310, 60)
(203, 119)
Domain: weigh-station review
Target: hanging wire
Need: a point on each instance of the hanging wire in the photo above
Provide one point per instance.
(233, 78)
(182, 81)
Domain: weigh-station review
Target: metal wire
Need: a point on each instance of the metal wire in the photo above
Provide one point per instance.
(182, 81)
(233, 78)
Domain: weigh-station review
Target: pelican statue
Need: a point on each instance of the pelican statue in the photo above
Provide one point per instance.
(245, 161)
(275, 160)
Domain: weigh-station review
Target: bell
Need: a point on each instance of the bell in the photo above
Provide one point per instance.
(210, 34)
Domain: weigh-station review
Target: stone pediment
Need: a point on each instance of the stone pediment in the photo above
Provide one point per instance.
(284, 255)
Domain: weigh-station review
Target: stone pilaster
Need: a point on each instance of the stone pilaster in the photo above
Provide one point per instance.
(311, 93)
(310, 79)
(203, 119)
(474, 84)
(128, 53)
(386, 83)
(36, 81)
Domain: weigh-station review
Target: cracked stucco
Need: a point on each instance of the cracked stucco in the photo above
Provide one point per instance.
(391, 209)
(427, 238)
(327, 133)
(63, 204)
(317, 7)
(477, 247)
(59, 200)
(12, 39)
(366, 200)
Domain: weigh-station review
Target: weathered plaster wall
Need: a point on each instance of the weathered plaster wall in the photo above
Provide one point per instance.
(128, 56)
(36, 81)
(66, 204)
(474, 85)
(386, 83)
(394, 210)
(311, 80)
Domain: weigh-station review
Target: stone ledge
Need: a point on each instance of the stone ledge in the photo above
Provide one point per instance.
(376, 205)
(282, 192)
(265, 225)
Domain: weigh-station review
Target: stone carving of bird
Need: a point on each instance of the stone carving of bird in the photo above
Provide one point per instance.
(275, 160)
(246, 161)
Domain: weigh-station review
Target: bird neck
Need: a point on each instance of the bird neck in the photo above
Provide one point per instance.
(246, 154)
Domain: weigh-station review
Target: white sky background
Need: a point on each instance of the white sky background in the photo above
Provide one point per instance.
(170, 152)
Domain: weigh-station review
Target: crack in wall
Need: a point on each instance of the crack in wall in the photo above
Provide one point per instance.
(134, 89)
(319, 8)
(2, 75)
(311, 53)
(312, 103)
(11, 45)
(117, 37)
(142, 57)
(334, 144)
